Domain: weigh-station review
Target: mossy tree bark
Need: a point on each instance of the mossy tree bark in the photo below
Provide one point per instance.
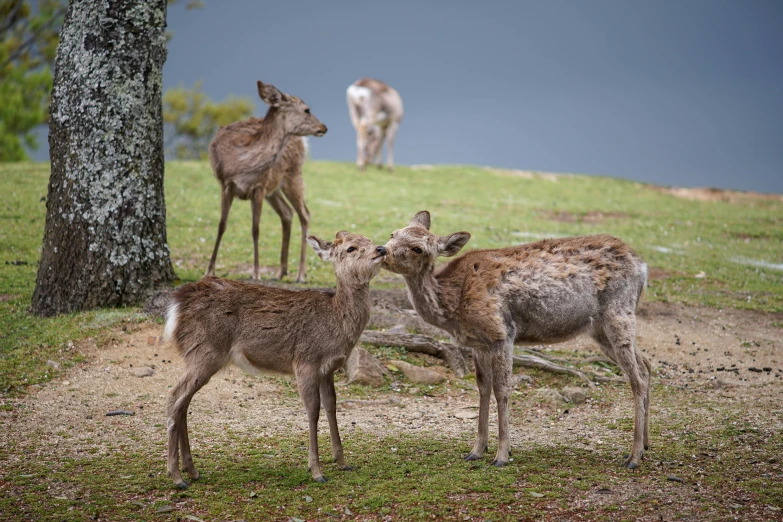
(105, 237)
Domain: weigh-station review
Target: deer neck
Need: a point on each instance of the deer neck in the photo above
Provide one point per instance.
(427, 297)
(271, 137)
(351, 304)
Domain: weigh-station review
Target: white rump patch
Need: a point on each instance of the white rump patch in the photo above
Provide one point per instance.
(359, 94)
(172, 319)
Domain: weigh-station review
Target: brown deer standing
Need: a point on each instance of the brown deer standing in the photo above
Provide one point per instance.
(376, 112)
(542, 292)
(257, 159)
(310, 334)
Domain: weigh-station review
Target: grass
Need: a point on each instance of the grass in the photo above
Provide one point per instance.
(680, 239)
(703, 253)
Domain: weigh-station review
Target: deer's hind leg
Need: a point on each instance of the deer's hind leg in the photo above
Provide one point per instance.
(197, 374)
(283, 209)
(615, 334)
(226, 198)
(294, 190)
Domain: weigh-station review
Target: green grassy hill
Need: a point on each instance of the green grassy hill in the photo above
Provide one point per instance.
(717, 253)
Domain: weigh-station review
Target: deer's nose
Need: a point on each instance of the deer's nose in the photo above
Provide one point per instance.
(381, 250)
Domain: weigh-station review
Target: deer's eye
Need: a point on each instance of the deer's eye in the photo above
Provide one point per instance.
(350, 249)
(417, 250)
(307, 111)
(391, 236)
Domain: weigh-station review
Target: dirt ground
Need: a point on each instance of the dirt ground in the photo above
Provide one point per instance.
(733, 355)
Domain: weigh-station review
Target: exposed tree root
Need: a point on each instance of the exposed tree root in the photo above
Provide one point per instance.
(456, 357)
(451, 354)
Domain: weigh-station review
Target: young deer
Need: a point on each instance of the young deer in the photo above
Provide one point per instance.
(257, 159)
(310, 334)
(542, 292)
(376, 112)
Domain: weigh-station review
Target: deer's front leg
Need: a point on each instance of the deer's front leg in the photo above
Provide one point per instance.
(483, 362)
(329, 400)
(309, 389)
(502, 366)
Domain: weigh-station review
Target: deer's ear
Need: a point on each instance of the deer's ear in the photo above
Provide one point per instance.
(422, 219)
(341, 234)
(270, 95)
(321, 247)
(450, 245)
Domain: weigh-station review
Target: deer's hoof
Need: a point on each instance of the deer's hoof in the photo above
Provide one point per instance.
(182, 485)
(195, 475)
(320, 479)
(630, 463)
(499, 463)
(472, 456)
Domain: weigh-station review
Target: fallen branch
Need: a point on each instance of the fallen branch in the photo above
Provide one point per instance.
(533, 361)
(362, 402)
(451, 354)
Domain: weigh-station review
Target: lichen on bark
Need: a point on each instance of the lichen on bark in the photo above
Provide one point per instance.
(105, 236)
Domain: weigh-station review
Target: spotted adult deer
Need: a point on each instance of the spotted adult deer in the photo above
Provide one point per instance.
(261, 158)
(310, 334)
(376, 112)
(542, 292)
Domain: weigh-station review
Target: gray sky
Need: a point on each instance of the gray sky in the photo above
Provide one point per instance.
(681, 92)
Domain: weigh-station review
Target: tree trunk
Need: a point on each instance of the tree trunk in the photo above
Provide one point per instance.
(105, 237)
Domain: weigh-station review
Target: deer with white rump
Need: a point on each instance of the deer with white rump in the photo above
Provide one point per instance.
(261, 158)
(376, 112)
(542, 292)
(310, 334)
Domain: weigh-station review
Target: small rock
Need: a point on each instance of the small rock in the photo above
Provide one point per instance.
(53, 364)
(550, 397)
(164, 509)
(574, 394)
(672, 478)
(66, 383)
(413, 391)
(419, 375)
(537, 495)
(193, 518)
(348, 511)
(516, 380)
(603, 491)
(398, 329)
(253, 494)
(363, 368)
(308, 498)
(114, 413)
(138, 503)
(466, 414)
(143, 371)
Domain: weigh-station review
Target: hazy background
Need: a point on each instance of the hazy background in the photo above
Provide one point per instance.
(672, 92)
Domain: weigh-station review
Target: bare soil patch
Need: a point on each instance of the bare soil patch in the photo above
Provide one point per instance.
(591, 217)
(715, 194)
(730, 358)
